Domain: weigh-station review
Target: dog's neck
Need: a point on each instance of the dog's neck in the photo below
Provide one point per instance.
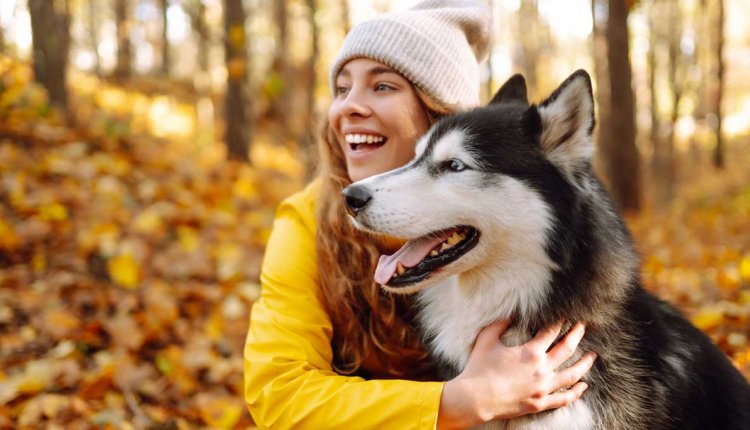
(458, 308)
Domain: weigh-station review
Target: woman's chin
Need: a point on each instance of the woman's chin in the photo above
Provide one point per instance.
(362, 167)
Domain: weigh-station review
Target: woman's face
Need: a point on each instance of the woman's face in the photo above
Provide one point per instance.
(376, 116)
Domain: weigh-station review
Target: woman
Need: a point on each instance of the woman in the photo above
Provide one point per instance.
(326, 347)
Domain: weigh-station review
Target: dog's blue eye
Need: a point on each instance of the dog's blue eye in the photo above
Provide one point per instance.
(456, 165)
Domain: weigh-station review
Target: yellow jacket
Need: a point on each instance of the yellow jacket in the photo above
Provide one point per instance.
(289, 381)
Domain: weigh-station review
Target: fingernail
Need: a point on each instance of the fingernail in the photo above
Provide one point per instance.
(585, 386)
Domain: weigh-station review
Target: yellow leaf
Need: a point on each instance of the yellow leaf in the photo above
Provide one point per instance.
(124, 271)
(708, 318)
(148, 221)
(744, 298)
(8, 238)
(39, 262)
(228, 260)
(53, 212)
(237, 36)
(220, 412)
(215, 326)
(745, 268)
(245, 189)
(236, 69)
(188, 238)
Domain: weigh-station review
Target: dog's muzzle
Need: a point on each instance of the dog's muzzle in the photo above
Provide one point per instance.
(357, 197)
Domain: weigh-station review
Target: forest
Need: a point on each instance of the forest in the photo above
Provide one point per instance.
(145, 146)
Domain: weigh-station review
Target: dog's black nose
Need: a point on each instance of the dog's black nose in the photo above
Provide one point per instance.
(356, 197)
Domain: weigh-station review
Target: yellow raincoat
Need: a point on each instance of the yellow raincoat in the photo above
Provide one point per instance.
(289, 381)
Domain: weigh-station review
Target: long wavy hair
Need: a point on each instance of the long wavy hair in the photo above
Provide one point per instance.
(367, 322)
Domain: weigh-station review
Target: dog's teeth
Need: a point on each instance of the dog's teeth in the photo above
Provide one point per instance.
(445, 246)
(433, 253)
(454, 239)
(400, 269)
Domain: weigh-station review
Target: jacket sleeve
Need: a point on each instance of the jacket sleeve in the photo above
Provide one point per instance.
(289, 381)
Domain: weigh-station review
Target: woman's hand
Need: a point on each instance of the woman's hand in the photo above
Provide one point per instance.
(501, 382)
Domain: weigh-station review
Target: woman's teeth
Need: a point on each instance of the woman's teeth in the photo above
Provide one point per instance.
(363, 138)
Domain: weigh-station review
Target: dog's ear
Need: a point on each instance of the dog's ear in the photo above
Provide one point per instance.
(513, 90)
(567, 123)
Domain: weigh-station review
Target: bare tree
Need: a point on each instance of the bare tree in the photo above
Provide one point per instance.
(311, 131)
(237, 128)
(616, 139)
(312, 63)
(93, 26)
(49, 30)
(719, 91)
(488, 89)
(345, 17)
(124, 56)
(280, 69)
(165, 57)
(670, 34)
(527, 50)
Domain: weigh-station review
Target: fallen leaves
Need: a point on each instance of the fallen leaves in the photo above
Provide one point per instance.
(696, 251)
(128, 266)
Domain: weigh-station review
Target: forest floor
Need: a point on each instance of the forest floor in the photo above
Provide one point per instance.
(130, 252)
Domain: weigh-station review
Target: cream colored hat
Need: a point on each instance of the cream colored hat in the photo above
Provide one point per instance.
(437, 45)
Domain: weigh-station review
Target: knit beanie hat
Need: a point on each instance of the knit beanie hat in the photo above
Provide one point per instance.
(437, 45)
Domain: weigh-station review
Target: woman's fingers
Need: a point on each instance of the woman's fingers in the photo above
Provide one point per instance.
(490, 335)
(562, 398)
(567, 346)
(571, 375)
(544, 338)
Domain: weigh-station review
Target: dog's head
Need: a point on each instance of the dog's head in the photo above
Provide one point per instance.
(484, 189)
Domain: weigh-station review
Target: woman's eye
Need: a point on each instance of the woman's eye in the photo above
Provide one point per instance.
(456, 165)
(383, 87)
(341, 90)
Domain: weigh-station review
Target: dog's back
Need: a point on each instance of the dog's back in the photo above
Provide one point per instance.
(655, 369)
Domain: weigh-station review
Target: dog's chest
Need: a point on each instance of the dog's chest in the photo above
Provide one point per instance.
(452, 320)
(576, 416)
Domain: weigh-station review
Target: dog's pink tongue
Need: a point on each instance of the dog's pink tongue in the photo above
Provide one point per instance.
(409, 255)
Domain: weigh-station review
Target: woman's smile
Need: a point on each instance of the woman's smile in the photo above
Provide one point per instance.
(377, 118)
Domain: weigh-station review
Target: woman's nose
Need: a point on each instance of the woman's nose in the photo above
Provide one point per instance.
(355, 104)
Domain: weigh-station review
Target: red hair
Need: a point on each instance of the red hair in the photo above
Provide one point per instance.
(366, 320)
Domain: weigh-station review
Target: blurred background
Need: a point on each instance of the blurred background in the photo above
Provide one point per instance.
(145, 144)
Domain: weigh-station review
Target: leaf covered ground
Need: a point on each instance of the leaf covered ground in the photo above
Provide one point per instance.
(129, 259)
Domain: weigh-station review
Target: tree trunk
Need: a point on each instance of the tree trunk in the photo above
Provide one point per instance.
(49, 29)
(700, 108)
(165, 57)
(280, 104)
(618, 152)
(311, 131)
(601, 74)
(346, 21)
(527, 51)
(237, 126)
(199, 23)
(677, 82)
(488, 89)
(94, 36)
(657, 160)
(719, 149)
(124, 56)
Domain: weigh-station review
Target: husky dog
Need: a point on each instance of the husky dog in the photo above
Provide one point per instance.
(505, 218)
